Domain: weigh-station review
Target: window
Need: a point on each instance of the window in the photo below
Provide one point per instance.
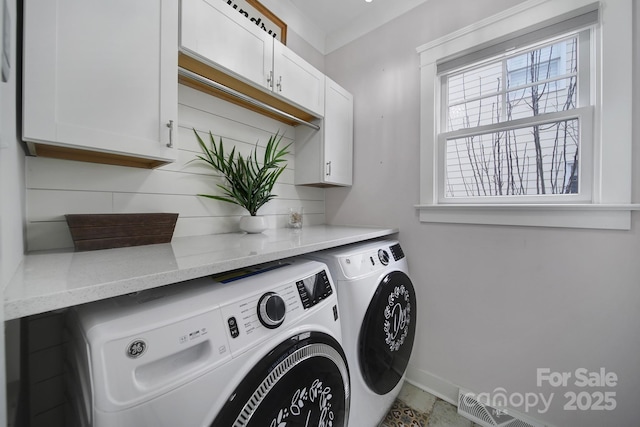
(513, 126)
(526, 118)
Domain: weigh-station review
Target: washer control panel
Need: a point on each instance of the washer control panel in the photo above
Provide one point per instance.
(255, 317)
(366, 262)
(314, 289)
(269, 298)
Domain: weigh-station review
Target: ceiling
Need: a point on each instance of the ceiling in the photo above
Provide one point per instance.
(333, 15)
(339, 22)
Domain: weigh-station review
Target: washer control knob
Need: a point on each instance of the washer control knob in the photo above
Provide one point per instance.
(383, 256)
(271, 310)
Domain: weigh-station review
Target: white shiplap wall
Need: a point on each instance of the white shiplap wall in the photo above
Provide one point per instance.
(58, 187)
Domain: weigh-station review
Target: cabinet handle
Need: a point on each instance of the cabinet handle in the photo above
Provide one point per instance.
(270, 80)
(170, 126)
(328, 172)
(280, 84)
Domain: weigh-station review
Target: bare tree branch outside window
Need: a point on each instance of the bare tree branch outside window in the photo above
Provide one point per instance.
(530, 160)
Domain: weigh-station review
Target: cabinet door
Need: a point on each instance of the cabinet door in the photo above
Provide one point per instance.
(338, 135)
(101, 75)
(215, 33)
(325, 156)
(297, 80)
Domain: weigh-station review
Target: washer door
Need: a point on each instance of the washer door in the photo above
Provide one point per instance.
(386, 336)
(304, 381)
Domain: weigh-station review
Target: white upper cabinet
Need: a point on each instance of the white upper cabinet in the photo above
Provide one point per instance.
(214, 33)
(325, 157)
(338, 134)
(100, 77)
(297, 80)
(225, 41)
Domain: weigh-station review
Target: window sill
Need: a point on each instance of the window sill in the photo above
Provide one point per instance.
(597, 216)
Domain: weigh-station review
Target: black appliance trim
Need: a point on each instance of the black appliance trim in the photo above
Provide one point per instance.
(291, 366)
(387, 333)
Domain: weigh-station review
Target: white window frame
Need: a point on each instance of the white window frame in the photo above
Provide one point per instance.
(584, 115)
(609, 205)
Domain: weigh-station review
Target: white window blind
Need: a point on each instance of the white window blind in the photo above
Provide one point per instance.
(580, 18)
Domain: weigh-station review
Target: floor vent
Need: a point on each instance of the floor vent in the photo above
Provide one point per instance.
(487, 416)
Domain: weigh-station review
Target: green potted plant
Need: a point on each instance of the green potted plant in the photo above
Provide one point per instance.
(249, 180)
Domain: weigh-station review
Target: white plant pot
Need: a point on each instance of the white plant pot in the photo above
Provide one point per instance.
(253, 224)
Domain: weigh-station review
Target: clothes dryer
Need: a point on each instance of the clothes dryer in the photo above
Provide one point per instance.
(378, 305)
(258, 347)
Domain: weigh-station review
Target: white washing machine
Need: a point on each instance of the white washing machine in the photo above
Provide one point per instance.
(378, 305)
(259, 347)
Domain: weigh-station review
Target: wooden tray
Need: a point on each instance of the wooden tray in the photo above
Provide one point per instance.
(105, 231)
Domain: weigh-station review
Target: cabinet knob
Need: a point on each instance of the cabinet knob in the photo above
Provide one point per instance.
(279, 84)
(170, 126)
(328, 169)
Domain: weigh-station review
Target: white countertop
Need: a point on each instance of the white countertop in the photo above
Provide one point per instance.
(55, 280)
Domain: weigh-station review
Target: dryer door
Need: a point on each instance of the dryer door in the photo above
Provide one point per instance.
(304, 381)
(388, 329)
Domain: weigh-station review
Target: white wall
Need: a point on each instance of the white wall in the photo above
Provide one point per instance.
(11, 191)
(59, 187)
(303, 48)
(495, 303)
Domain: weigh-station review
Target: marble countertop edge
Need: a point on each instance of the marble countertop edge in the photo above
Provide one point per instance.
(60, 279)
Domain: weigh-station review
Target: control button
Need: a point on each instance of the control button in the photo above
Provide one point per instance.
(271, 310)
(233, 327)
(383, 256)
(304, 296)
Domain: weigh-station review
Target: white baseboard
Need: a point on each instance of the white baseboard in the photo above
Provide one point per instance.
(433, 384)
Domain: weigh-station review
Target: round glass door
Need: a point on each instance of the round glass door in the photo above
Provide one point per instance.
(387, 333)
(302, 382)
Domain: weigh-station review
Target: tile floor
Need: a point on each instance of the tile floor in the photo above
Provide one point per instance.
(417, 408)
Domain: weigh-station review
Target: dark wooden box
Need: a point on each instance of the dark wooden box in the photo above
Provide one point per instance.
(105, 231)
